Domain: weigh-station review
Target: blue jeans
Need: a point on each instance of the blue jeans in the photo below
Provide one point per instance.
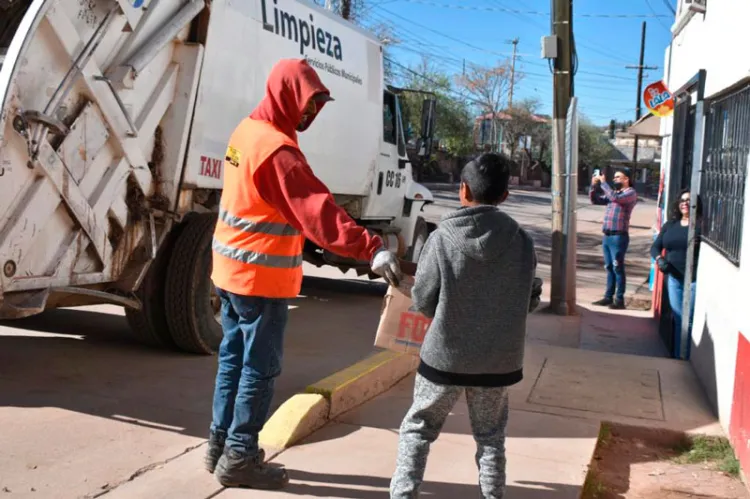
(675, 290)
(250, 358)
(614, 248)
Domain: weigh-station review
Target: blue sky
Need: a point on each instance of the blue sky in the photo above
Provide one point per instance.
(606, 89)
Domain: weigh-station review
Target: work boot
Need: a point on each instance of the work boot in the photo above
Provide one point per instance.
(213, 452)
(617, 305)
(603, 302)
(238, 470)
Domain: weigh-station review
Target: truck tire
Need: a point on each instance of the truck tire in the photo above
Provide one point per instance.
(149, 324)
(191, 304)
(421, 232)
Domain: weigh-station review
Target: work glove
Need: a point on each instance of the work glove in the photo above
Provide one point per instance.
(385, 264)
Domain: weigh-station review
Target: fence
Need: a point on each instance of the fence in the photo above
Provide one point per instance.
(726, 149)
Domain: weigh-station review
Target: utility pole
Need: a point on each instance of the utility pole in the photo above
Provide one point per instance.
(638, 98)
(512, 73)
(562, 291)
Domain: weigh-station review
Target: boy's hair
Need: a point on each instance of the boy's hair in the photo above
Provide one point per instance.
(487, 178)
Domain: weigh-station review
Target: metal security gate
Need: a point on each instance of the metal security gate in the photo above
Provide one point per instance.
(680, 173)
(727, 146)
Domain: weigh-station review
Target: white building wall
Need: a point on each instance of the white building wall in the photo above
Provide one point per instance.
(717, 44)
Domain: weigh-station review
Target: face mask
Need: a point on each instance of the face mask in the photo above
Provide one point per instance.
(618, 185)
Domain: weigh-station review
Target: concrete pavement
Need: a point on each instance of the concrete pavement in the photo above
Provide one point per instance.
(85, 412)
(84, 407)
(555, 418)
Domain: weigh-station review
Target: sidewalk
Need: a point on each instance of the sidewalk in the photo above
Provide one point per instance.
(556, 411)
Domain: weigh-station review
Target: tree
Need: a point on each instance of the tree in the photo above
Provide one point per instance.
(530, 132)
(612, 129)
(352, 10)
(455, 125)
(487, 88)
(594, 151)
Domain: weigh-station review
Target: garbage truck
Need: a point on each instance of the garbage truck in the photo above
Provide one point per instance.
(113, 129)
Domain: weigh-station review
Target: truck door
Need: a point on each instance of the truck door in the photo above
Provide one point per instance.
(387, 197)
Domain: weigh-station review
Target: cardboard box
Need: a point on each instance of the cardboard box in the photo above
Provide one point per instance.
(401, 329)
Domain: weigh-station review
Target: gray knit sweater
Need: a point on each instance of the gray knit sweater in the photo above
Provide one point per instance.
(474, 279)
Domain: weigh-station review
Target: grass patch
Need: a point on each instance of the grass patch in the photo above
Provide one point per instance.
(605, 433)
(716, 451)
(593, 487)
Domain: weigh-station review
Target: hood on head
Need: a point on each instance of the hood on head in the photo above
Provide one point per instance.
(482, 233)
(290, 86)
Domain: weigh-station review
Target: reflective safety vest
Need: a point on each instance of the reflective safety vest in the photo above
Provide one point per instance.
(255, 250)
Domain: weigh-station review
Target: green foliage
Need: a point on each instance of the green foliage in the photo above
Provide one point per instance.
(594, 150)
(455, 124)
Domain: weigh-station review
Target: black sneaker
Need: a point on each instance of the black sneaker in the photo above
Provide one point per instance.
(237, 470)
(213, 452)
(617, 305)
(603, 302)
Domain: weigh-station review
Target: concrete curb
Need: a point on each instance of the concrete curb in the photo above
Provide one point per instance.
(307, 412)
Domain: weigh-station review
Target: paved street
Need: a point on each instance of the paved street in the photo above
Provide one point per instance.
(532, 209)
(84, 409)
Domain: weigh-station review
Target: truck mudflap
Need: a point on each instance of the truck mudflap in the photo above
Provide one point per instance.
(97, 99)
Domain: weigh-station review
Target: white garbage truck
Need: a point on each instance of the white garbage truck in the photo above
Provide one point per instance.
(113, 130)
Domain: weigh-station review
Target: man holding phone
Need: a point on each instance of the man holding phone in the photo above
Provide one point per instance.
(620, 202)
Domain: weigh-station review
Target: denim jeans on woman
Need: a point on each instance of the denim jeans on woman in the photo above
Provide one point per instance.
(675, 290)
(250, 358)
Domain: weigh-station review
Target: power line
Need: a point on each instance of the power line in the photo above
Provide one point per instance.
(651, 8)
(528, 12)
(670, 7)
(457, 40)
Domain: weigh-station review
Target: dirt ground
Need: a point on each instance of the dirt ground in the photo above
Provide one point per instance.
(641, 463)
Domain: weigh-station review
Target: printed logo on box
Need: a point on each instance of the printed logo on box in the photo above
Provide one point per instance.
(412, 328)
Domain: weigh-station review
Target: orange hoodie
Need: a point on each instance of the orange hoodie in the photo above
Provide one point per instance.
(286, 181)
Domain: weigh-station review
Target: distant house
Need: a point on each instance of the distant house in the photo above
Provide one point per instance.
(485, 140)
(648, 167)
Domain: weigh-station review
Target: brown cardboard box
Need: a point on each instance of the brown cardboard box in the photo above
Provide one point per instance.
(401, 329)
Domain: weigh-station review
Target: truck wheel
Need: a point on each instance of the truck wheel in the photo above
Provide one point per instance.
(149, 324)
(191, 304)
(421, 232)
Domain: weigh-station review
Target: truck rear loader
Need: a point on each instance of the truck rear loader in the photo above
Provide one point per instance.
(113, 129)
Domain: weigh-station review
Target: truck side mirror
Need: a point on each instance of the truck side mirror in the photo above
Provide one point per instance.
(429, 110)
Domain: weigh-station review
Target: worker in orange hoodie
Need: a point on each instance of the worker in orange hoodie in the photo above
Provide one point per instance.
(271, 202)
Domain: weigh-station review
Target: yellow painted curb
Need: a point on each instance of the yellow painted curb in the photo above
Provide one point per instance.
(307, 412)
(297, 418)
(364, 380)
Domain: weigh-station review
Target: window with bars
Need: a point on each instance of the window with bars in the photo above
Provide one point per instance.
(727, 145)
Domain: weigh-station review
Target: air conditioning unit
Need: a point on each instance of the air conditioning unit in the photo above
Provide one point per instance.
(698, 6)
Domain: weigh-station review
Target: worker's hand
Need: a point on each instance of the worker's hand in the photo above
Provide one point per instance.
(385, 264)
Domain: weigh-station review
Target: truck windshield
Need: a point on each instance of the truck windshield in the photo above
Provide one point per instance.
(390, 127)
(400, 130)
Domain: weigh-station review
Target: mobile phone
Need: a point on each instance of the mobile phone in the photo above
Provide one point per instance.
(597, 172)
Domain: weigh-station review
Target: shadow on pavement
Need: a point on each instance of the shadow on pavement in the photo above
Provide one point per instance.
(86, 360)
(349, 486)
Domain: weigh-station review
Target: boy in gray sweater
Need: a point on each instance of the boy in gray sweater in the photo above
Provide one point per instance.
(474, 279)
